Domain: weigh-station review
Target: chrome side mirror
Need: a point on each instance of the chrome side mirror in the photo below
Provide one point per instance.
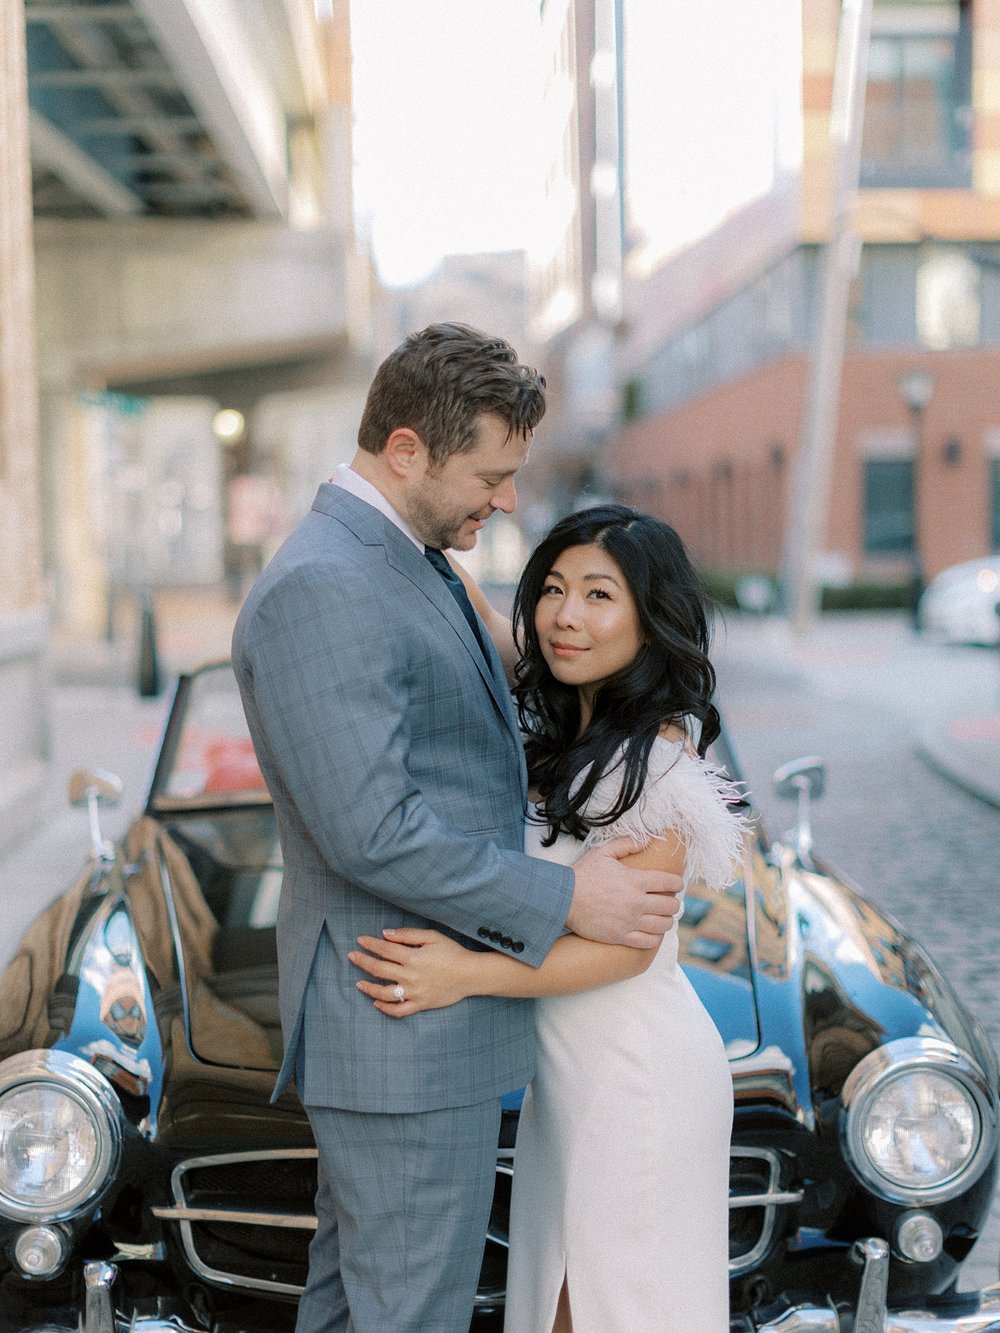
(802, 781)
(93, 787)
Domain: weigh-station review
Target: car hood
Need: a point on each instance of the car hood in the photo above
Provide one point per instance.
(800, 988)
(233, 1006)
(714, 950)
(834, 978)
(131, 971)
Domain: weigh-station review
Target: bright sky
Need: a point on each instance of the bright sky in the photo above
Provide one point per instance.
(712, 94)
(446, 97)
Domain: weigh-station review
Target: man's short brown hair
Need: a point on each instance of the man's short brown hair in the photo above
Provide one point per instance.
(440, 381)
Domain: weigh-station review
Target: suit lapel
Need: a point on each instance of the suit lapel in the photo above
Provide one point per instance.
(372, 528)
(412, 565)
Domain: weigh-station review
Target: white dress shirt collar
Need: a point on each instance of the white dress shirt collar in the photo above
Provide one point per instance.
(347, 479)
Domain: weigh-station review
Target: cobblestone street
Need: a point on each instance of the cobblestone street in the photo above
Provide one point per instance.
(919, 847)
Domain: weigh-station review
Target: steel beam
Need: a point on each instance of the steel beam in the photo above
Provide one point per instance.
(122, 77)
(141, 125)
(51, 149)
(51, 13)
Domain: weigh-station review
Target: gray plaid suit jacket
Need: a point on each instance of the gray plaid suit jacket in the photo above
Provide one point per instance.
(391, 749)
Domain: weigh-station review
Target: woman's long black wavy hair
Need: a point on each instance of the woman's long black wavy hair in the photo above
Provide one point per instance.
(669, 681)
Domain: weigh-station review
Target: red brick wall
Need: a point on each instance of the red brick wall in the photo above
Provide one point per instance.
(719, 468)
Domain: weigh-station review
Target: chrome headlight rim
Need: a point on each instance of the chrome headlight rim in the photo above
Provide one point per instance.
(93, 1093)
(892, 1061)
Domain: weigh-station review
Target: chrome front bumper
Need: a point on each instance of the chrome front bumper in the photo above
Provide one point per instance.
(974, 1312)
(99, 1311)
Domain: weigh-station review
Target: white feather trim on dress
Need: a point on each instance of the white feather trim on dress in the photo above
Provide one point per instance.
(683, 794)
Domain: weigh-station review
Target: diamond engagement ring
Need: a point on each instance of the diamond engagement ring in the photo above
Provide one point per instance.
(399, 993)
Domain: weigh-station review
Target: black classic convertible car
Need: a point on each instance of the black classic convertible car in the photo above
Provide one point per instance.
(147, 1183)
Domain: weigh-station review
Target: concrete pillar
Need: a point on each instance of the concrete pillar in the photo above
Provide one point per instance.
(24, 749)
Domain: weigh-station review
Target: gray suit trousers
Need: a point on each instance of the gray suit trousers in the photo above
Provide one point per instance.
(403, 1204)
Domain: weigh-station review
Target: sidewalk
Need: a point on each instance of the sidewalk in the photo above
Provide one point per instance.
(98, 720)
(192, 625)
(950, 695)
(967, 750)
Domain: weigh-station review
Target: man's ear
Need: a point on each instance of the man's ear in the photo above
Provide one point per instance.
(405, 453)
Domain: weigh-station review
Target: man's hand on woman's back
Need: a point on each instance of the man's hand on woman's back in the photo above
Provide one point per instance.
(619, 904)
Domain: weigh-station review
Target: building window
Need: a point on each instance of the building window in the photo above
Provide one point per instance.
(948, 307)
(918, 104)
(885, 311)
(995, 478)
(888, 506)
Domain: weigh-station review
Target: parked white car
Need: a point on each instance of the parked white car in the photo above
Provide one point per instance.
(960, 604)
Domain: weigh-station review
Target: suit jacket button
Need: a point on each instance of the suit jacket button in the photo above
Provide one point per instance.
(496, 936)
(506, 941)
(483, 932)
(517, 946)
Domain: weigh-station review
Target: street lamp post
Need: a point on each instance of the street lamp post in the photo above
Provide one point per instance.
(916, 388)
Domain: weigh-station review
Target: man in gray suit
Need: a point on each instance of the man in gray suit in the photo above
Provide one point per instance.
(383, 723)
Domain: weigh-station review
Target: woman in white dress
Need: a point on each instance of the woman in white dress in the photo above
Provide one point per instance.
(619, 1216)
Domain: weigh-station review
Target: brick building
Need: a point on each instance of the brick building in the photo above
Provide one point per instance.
(712, 370)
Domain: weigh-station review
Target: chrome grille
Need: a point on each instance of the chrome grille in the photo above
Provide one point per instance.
(755, 1195)
(244, 1214)
(246, 1219)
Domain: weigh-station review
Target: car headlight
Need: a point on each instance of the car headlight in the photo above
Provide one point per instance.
(60, 1135)
(919, 1121)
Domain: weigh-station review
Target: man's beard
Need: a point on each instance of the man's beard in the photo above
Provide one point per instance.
(435, 528)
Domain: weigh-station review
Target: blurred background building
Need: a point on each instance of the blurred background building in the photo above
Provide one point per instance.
(576, 263)
(711, 367)
(177, 222)
(680, 385)
(203, 325)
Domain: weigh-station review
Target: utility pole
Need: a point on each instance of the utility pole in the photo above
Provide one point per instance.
(810, 498)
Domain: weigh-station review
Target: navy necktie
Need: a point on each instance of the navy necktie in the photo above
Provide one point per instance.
(457, 589)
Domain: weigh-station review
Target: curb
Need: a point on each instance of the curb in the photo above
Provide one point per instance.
(108, 665)
(942, 760)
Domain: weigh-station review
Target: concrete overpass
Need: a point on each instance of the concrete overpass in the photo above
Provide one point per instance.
(170, 108)
(190, 166)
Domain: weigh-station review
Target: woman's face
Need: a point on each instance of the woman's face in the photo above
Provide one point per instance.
(586, 619)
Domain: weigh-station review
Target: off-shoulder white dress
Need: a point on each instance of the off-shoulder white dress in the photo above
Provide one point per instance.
(621, 1176)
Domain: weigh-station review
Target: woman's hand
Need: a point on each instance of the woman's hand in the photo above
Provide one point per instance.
(433, 970)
